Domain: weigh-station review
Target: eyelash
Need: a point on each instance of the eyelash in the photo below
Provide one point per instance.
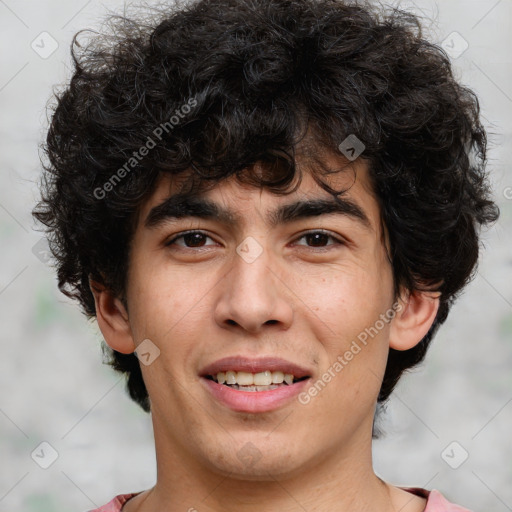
(313, 232)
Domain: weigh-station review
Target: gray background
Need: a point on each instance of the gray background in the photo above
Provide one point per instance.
(54, 388)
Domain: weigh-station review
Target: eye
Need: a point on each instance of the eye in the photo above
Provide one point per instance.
(314, 239)
(190, 239)
(318, 237)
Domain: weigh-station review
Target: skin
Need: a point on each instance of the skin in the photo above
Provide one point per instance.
(201, 303)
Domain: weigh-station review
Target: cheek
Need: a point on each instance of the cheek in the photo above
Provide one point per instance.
(343, 300)
(166, 302)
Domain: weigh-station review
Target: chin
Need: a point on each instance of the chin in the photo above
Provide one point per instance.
(254, 464)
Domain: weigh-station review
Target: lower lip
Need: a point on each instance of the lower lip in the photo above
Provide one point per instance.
(253, 401)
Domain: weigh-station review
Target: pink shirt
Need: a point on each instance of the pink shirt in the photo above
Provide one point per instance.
(436, 502)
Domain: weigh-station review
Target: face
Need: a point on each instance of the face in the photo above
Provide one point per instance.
(251, 291)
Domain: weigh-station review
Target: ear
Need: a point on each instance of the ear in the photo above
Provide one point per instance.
(415, 315)
(112, 319)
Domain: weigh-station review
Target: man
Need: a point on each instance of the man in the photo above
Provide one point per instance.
(269, 206)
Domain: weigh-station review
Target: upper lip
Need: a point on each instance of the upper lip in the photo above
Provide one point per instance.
(262, 364)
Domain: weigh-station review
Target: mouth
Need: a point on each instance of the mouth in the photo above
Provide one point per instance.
(261, 381)
(254, 385)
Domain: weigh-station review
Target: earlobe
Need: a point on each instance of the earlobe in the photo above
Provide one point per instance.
(112, 319)
(415, 315)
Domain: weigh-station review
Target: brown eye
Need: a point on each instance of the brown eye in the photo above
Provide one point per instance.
(319, 239)
(190, 239)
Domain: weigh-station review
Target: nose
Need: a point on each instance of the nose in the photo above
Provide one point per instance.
(254, 294)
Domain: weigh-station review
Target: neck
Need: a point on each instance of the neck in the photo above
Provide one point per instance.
(340, 480)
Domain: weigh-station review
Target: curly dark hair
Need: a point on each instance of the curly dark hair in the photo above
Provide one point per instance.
(259, 74)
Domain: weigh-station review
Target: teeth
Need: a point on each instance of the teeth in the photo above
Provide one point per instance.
(265, 378)
(255, 388)
(244, 379)
(277, 377)
(262, 379)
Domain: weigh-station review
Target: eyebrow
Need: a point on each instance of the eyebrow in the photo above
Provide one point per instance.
(182, 206)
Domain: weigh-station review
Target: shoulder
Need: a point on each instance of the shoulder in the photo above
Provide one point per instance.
(436, 502)
(116, 504)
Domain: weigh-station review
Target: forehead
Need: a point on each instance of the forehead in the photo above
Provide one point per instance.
(235, 202)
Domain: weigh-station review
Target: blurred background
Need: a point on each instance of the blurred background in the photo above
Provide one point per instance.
(448, 426)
